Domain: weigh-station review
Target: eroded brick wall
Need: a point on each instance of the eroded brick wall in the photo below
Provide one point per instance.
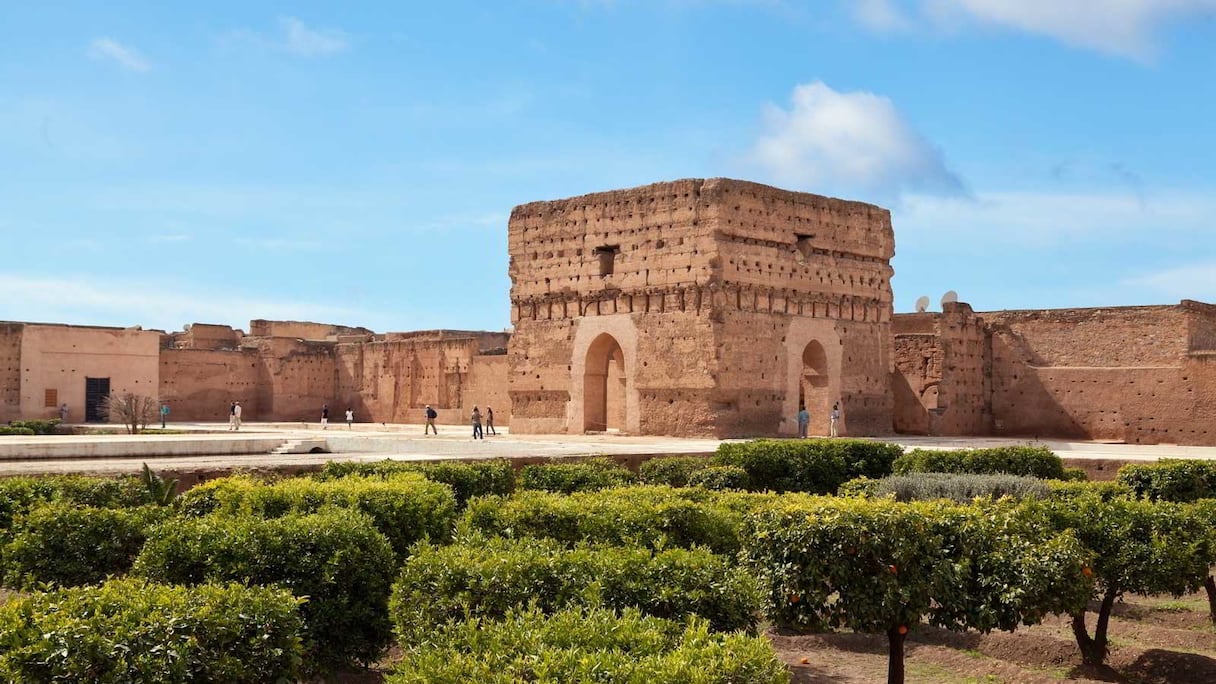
(201, 384)
(10, 371)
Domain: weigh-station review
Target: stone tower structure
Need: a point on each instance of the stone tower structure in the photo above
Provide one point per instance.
(700, 307)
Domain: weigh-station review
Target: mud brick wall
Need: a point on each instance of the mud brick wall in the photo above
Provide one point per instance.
(10, 371)
(295, 378)
(201, 384)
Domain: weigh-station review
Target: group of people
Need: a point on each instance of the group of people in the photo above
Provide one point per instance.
(804, 420)
(350, 417)
(478, 433)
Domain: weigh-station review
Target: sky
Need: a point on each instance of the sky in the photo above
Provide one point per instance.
(356, 163)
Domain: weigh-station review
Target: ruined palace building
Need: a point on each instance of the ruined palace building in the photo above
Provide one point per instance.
(696, 307)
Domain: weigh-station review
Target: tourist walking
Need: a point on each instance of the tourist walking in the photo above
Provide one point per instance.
(490, 420)
(350, 419)
(431, 415)
(325, 417)
(164, 414)
(835, 418)
(804, 420)
(477, 433)
(232, 416)
(236, 415)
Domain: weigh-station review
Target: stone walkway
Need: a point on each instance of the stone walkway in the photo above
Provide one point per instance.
(114, 453)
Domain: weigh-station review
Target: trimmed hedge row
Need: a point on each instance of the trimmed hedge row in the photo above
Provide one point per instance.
(1178, 480)
(589, 645)
(1027, 461)
(133, 631)
(16, 431)
(467, 480)
(67, 545)
(488, 578)
(22, 494)
(816, 466)
(406, 507)
(647, 516)
(585, 476)
(672, 471)
(336, 560)
(720, 477)
(961, 488)
(39, 427)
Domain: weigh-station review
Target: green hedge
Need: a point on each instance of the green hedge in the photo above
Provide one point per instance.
(1104, 490)
(16, 431)
(1028, 461)
(22, 494)
(69, 545)
(649, 516)
(1177, 480)
(40, 427)
(585, 476)
(467, 480)
(816, 466)
(720, 477)
(406, 507)
(589, 645)
(955, 487)
(336, 560)
(132, 631)
(672, 471)
(486, 577)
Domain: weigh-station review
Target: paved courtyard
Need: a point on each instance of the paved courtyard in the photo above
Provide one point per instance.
(211, 447)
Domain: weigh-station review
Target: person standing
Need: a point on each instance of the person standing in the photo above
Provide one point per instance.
(63, 412)
(350, 419)
(835, 417)
(236, 415)
(431, 415)
(804, 420)
(325, 417)
(232, 416)
(490, 420)
(477, 433)
(164, 415)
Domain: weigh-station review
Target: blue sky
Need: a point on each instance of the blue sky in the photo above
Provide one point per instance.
(166, 163)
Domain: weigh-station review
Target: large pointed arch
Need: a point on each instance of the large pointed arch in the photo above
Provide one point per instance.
(604, 386)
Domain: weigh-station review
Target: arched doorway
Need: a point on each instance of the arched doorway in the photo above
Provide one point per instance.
(814, 391)
(604, 386)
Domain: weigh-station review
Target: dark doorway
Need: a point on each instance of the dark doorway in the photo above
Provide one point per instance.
(95, 389)
(604, 386)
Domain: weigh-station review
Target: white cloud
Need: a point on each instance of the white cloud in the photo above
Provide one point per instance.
(108, 49)
(302, 40)
(1120, 27)
(851, 143)
(154, 305)
(1188, 281)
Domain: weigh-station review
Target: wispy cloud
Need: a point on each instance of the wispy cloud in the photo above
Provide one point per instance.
(853, 143)
(154, 305)
(1125, 28)
(1184, 281)
(295, 37)
(108, 49)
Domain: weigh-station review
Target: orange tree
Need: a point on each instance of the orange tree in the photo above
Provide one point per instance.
(881, 567)
(1141, 547)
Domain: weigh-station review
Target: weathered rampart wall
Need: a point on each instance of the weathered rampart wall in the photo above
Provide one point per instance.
(10, 371)
(201, 384)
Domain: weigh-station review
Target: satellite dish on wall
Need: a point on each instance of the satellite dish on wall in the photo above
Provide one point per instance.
(922, 304)
(949, 298)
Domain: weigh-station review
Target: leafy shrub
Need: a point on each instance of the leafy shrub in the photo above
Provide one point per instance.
(336, 560)
(649, 516)
(719, 477)
(880, 567)
(817, 466)
(1178, 480)
(406, 507)
(40, 427)
(1104, 490)
(467, 480)
(961, 488)
(672, 471)
(586, 645)
(490, 577)
(70, 545)
(21, 494)
(132, 631)
(863, 487)
(584, 476)
(1028, 461)
(14, 431)
(1075, 475)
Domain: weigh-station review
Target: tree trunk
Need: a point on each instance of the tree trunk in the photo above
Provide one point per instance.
(895, 655)
(1210, 585)
(1084, 643)
(1093, 650)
